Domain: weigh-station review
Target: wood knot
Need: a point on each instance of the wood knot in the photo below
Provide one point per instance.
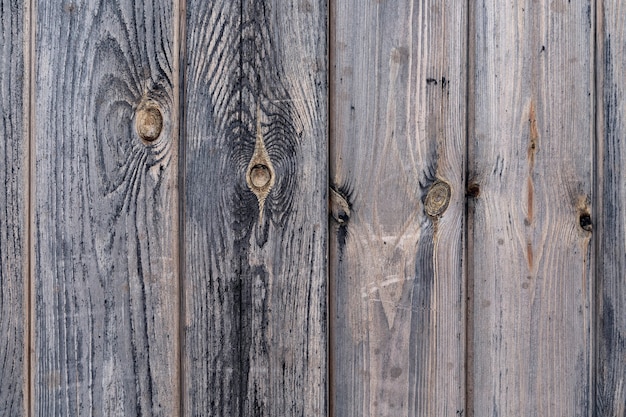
(339, 207)
(260, 176)
(437, 199)
(473, 190)
(149, 123)
(585, 222)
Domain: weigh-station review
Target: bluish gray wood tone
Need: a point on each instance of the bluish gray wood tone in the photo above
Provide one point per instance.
(105, 210)
(530, 239)
(255, 208)
(13, 201)
(611, 231)
(396, 247)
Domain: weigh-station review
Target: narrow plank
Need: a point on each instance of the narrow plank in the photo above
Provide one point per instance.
(531, 159)
(397, 242)
(105, 209)
(255, 208)
(13, 200)
(611, 180)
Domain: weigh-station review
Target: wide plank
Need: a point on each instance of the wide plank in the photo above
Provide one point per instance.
(14, 278)
(611, 229)
(531, 147)
(105, 209)
(397, 168)
(255, 208)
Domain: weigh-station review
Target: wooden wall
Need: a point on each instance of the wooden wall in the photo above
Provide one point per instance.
(311, 208)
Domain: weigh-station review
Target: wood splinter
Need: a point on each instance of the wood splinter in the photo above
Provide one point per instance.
(260, 174)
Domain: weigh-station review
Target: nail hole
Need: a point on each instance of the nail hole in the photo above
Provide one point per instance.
(149, 123)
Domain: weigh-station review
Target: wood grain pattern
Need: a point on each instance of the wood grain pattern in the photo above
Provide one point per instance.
(13, 200)
(530, 250)
(255, 258)
(105, 210)
(397, 138)
(611, 232)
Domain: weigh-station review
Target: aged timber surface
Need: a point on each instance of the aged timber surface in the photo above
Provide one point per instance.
(611, 230)
(13, 200)
(255, 204)
(397, 172)
(530, 239)
(105, 209)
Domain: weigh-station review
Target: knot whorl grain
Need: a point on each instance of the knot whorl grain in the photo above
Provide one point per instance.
(437, 199)
(260, 174)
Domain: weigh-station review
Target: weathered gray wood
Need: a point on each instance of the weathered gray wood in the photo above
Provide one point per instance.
(396, 268)
(611, 231)
(530, 244)
(255, 208)
(105, 210)
(13, 216)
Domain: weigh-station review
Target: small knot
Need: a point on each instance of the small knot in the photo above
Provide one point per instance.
(149, 123)
(437, 199)
(260, 176)
(339, 207)
(473, 190)
(585, 222)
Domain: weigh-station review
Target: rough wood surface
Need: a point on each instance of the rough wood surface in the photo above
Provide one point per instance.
(611, 230)
(255, 207)
(13, 201)
(530, 243)
(105, 210)
(397, 172)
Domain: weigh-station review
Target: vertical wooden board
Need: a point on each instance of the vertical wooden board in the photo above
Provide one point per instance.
(255, 208)
(13, 200)
(397, 202)
(611, 159)
(105, 209)
(530, 157)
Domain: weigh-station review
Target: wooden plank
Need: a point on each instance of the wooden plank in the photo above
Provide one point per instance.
(105, 209)
(611, 180)
(255, 208)
(397, 172)
(530, 245)
(13, 200)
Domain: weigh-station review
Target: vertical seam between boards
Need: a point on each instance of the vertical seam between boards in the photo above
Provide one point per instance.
(468, 372)
(329, 285)
(180, 79)
(29, 68)
(596, 199)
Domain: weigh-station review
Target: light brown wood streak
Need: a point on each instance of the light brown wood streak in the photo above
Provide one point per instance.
(398, 125)
(13, 200)
(105, 210)
(531, 151)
